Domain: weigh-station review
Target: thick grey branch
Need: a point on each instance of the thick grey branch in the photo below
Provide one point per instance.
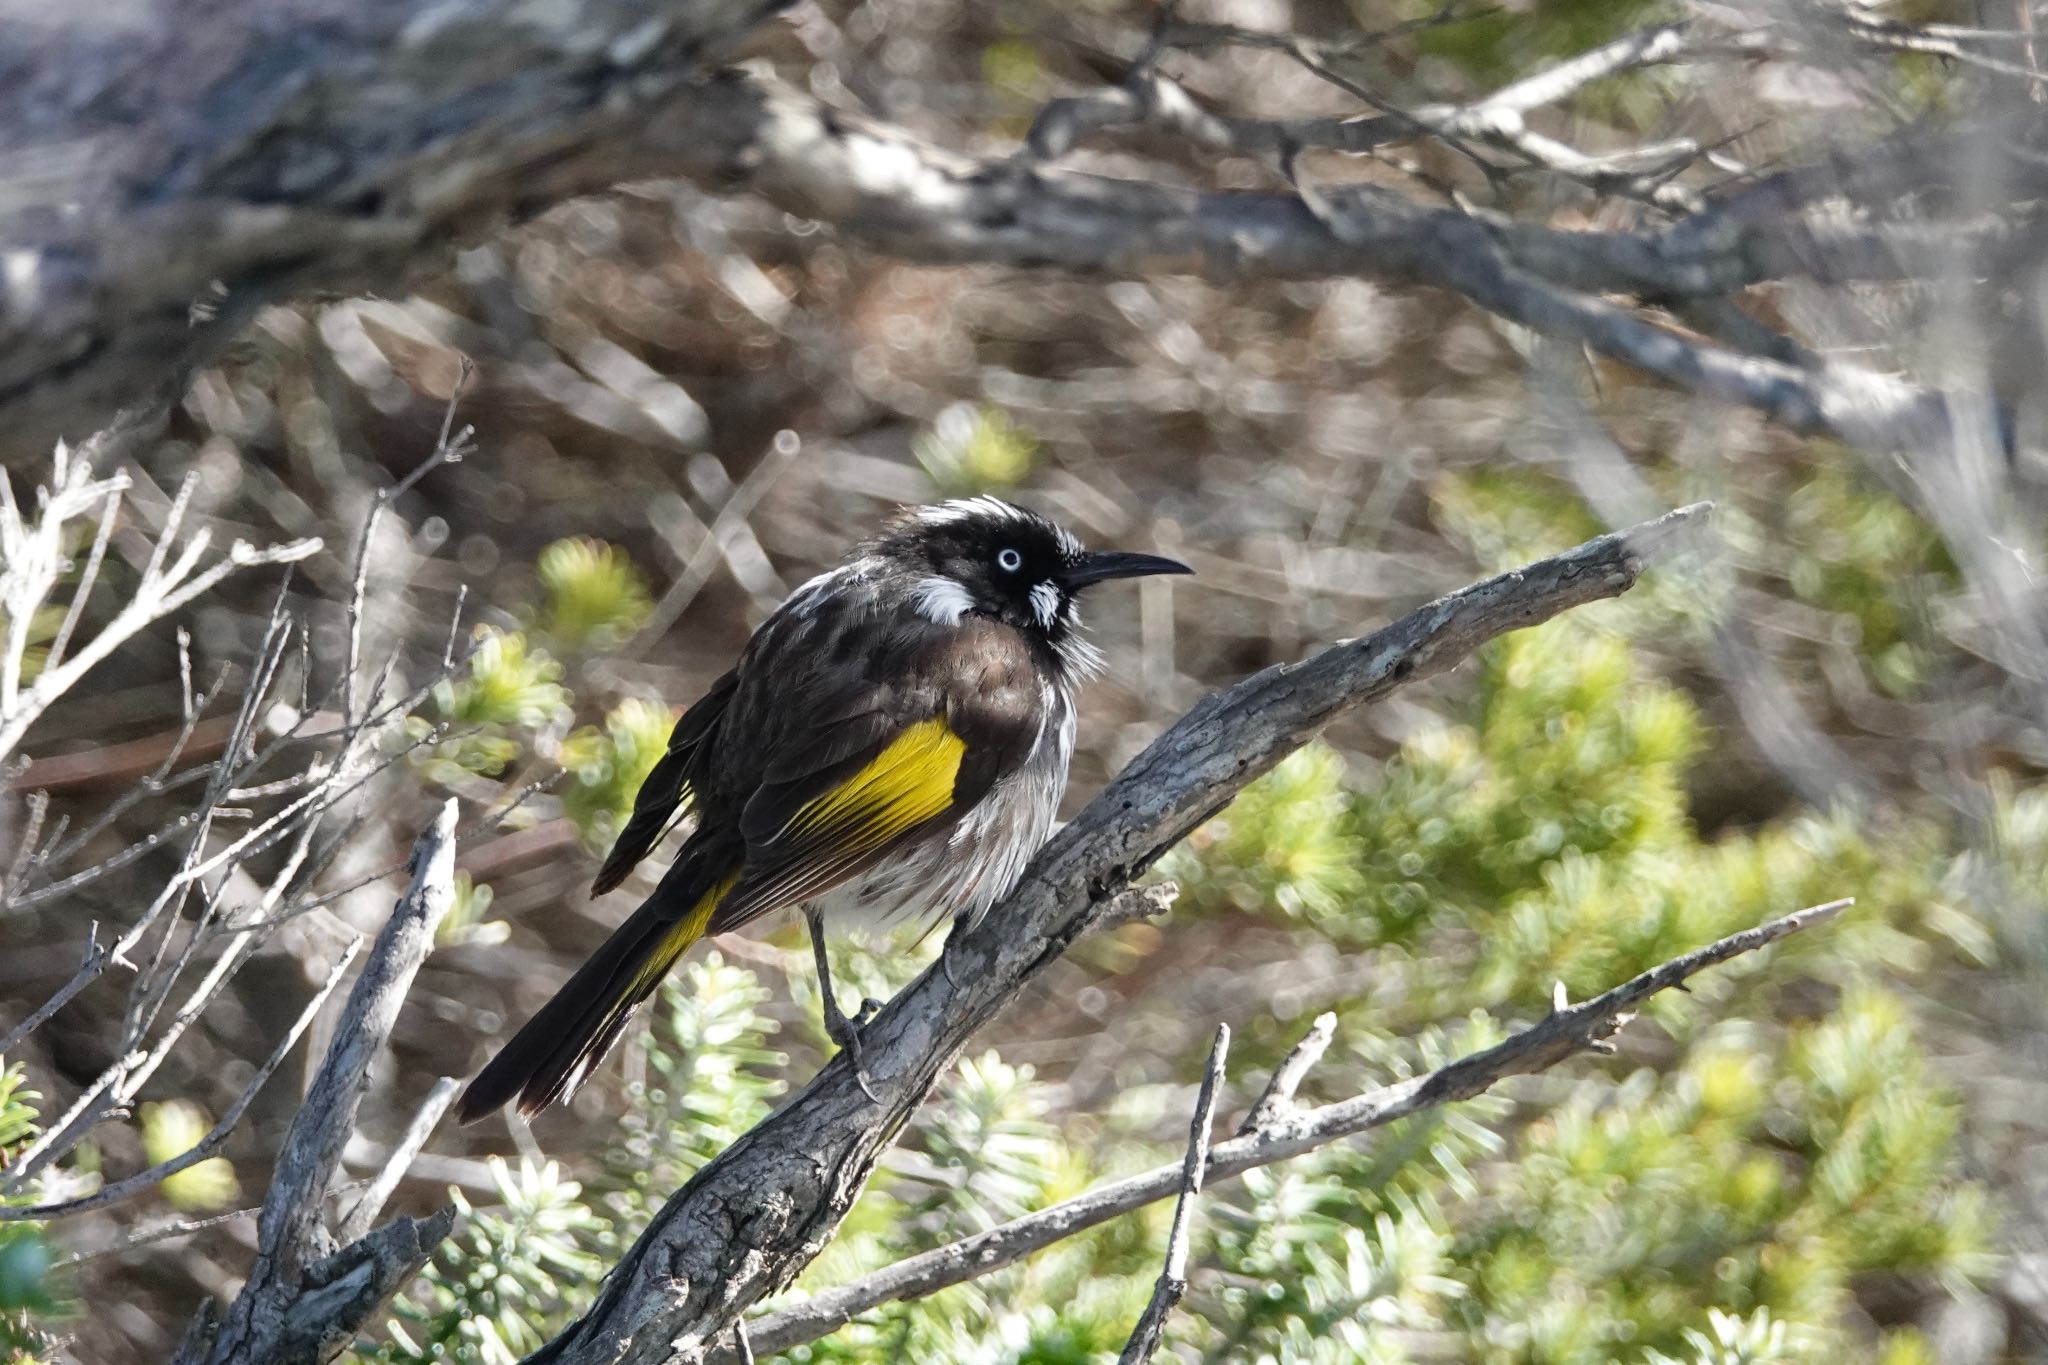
(341, 1292)
(1570, 1030)
(171, 162)
(752, 1218)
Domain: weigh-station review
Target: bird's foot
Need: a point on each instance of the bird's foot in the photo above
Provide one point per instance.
(845, 1033)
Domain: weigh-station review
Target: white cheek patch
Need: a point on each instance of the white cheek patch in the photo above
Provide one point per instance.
(941, 600)
(1045, 604)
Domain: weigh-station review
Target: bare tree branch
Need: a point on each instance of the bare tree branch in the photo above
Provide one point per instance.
(302, 1294)
(1172, 1284)
(1571, 1030)
(1278, 1097)
(904, 196)
(749, 1220)
(1147, 97)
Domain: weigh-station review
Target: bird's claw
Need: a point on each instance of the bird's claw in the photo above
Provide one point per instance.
(845, 1034)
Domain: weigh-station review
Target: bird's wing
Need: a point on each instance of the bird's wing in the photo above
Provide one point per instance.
(665, 794)
(898, 761)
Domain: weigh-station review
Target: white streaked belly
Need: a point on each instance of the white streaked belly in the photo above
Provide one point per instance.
(975, 863)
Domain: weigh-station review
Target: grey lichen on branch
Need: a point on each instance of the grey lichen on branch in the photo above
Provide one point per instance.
(747, 1222)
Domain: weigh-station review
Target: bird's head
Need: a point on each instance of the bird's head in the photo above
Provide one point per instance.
(986, 557)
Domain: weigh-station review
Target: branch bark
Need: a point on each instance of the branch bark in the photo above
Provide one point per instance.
(752, 1218)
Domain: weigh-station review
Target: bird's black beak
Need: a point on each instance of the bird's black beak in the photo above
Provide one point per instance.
(1098, 565)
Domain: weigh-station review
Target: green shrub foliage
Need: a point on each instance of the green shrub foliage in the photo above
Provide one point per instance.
(27, 1308)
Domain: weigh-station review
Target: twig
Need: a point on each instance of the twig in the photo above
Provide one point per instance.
(450, 447)
(1278, 1097)
(215, 1137)
(164, 1232)
(1173, 1279)
(118, 1084)
(1566, 1032)
(679, 1289)
(364, 1211)
(87, 970)
(30, 554)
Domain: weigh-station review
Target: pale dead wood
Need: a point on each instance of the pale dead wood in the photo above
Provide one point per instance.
(1277, 1098)
(303, 1295)
(1172, 1284)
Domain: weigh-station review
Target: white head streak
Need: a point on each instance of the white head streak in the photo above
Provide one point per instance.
(1045, 604)
(995, 509)
(941, 600)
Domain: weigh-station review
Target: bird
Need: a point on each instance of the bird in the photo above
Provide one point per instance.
(892, 743)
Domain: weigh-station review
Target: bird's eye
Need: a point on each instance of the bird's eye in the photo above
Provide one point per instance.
(1008, 560)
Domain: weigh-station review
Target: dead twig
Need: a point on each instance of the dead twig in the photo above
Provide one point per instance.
(207, 1146)
(1173, 1279)
(278, 1316)
(1278, 1097)
(370, 1203)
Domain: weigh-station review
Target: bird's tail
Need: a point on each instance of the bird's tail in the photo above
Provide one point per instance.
(569, 1036)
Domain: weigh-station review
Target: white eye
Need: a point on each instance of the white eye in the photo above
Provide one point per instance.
(1008, 560)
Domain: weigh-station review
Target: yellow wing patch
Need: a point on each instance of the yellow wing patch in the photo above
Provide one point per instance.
(906, 784)
(677, 941)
